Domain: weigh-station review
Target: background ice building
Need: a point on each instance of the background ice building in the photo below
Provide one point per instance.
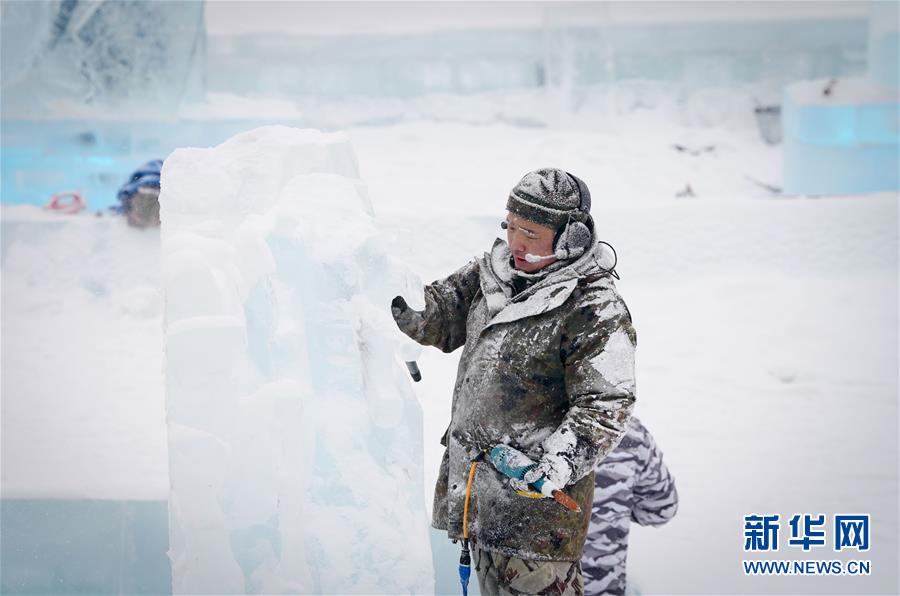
(767, 359)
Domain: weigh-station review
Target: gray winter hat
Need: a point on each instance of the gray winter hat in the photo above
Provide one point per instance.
(550, 197)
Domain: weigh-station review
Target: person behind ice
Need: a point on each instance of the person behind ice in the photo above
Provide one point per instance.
(139, 197)
(632, 484)
(547, 368)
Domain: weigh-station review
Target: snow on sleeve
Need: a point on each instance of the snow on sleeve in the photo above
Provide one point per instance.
(598, 352)
(615, 363)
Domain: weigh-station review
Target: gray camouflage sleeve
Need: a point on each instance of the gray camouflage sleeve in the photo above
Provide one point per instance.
(597, 350)
(443, 322)
(655, 496)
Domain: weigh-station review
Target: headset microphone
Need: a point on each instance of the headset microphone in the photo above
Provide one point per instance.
(535, 258)
(560, 254)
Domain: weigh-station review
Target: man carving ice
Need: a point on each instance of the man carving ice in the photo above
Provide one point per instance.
(547, 368)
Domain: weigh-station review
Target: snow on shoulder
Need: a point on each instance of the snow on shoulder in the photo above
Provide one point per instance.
(295, 440)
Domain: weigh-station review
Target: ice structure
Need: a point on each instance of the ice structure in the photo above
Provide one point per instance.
(884, 43)
(842, 135)
(105, 53)
(294, 436)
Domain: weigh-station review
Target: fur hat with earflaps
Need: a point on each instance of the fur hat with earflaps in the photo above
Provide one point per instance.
(558, 200)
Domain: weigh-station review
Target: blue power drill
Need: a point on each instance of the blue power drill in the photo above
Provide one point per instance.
(512, 463)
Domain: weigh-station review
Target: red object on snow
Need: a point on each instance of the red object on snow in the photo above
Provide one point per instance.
(73, 205)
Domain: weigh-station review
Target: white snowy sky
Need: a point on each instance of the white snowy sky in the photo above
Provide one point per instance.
(238, 17)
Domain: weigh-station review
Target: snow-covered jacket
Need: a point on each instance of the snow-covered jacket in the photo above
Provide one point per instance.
(632, 485)
(549, 371)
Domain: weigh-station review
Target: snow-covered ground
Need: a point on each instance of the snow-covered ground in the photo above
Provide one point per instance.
(768, 332)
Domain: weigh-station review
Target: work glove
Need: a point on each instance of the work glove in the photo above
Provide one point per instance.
(554, 468)
(520, 486)
(411, 322)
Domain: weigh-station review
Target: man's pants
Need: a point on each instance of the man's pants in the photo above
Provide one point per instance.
(499, 575)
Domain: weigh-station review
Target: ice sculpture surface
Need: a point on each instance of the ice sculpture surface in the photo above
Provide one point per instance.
(294, 436)
(841, 136)
(144, 56)
(884, 43)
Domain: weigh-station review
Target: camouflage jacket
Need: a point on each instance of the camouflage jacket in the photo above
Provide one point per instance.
(549, 371)
(633, 485)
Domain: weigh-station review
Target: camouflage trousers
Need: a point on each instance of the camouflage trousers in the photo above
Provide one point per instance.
(500, 575)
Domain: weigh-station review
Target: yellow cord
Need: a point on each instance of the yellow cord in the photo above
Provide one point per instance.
(466, 506)
(530, 494)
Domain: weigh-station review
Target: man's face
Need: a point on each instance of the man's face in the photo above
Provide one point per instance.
(526, 237)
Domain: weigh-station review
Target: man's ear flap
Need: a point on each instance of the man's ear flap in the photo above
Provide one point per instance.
(574, 239)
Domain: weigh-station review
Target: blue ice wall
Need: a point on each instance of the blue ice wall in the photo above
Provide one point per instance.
(47, 149)
(95, 157)
(841, 147)
(103, 57)
(884, 43)
(688, 55)
(843, 136)
(81, 546)
(107, 54)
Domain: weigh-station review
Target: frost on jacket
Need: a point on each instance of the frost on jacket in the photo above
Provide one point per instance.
(549, 371)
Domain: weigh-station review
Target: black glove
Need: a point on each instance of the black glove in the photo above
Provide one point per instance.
(398, 305)
(411, 322)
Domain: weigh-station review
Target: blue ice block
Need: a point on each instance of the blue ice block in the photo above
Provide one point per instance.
(145, 56)
(44, 156)
(84, 546)
(845, 142)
